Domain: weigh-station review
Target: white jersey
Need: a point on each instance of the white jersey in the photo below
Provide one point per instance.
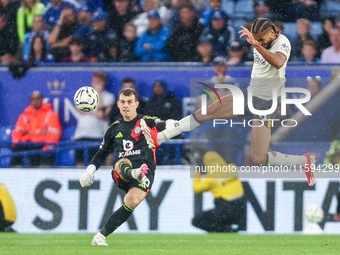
(89, 126)
(264, 76)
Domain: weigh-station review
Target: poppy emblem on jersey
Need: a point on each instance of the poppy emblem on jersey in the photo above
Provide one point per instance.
(137, 130)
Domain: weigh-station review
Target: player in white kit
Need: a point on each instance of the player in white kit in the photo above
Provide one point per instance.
(271, 53)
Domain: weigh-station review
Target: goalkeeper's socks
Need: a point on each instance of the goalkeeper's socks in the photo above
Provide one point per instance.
(126, 170)
(117, 219)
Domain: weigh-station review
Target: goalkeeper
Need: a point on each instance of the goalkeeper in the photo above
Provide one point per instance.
(132, 136)
(227, 189)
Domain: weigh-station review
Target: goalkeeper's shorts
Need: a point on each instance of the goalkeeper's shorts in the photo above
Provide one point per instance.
(126, 185)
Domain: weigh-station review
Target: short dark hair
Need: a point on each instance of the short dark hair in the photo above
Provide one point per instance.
(128, 80)
(260, 25)
(128, 92)
(76, 39)
(189, 7)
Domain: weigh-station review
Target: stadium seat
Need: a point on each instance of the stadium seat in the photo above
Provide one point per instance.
(315, 29)
(244, 9)
(290, 30)
(67, 158)
(228, 7)
(330, 8)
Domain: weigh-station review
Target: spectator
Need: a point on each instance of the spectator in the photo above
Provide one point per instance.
(309, 52)
(8, 41)
(205, 52)
(163, 103)
(61, 34)
(151, 46)
(175, 18)
(314, 85)
(92, 125)
(215, 5)
(119, 14)
(220, 66)
(183, 40)
(76, 46)
(98, 34)
(237, 53)
(128, 43)
(303, 9)
(54, 9)
(9, 9)
(38, 52)
(323, 41)
(332, 53)
(8, 213)
(303, 29)
(141, 21)
(38, 29)
(91, 6)
(279, 27)
(230, 203)
(111, 51)
(37, 124)
(271, 9)
(127, 82)
(219, 33)
(25, 15)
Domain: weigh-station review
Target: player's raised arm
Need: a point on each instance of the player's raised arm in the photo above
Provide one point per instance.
(262, 41)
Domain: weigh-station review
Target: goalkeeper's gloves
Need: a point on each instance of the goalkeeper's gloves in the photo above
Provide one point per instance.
(87, 178)
(150, 134)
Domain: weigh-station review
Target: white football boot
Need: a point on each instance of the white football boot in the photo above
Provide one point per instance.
(99, 239)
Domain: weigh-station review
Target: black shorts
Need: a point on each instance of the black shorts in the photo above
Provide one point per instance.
(126, 185)
(260, 104)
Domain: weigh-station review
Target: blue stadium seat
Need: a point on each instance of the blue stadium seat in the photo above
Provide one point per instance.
(330, 8)
(67, 158)
(290, 30)
(237, 25)
(315, 29)
(244, 9)
(228, 7)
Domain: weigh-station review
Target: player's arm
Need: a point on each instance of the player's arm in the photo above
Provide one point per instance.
(276, 59)
(87, 178)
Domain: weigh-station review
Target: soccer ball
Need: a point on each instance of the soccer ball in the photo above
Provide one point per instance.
(314, 213)
(86, 99)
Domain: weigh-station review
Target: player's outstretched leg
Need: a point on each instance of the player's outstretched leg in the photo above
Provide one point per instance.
(188, 123)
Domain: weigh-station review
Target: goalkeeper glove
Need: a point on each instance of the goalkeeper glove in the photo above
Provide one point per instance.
(87, 178)
(150, 134)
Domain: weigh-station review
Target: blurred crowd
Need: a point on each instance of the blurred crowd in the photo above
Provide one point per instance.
(33, 31)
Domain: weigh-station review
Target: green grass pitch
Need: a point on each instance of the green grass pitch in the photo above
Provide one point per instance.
(149, 244)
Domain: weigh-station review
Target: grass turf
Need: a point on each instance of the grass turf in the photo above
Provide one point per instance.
(11, 243)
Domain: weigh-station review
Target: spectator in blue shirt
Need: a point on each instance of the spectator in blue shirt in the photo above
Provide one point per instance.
(219, 33)
(98, 33)
(206, 15)
(53, 11)
(151, 46)
(38, 29)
